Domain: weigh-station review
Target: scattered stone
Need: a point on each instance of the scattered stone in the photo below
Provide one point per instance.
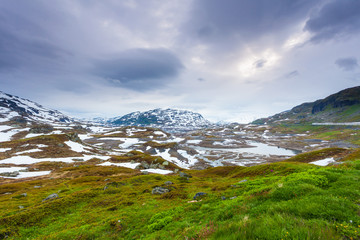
(199, 194)
(106, 187)
(154, 165)
(176, 170)
(60, 145)
(78, 160)
(73, 137)
(165, 163)
(145, 165)
(162, 167)
(159, 190)
(21, 207)
(145, 172)
(37, 186)
(51, 196)
(10, 174)
(185, 175)
(233, 197)
(132, 161)
(223, 198)
(244, 180)
(168, 183)
(108, 179)
(23, 194)
(129, 155)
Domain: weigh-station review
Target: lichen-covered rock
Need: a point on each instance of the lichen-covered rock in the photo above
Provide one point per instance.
(51, 196)
(159, 190)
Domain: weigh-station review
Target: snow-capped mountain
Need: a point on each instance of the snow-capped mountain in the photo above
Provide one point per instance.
(161, 118)
(13, 106)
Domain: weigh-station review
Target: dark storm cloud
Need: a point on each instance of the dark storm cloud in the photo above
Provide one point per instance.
(213, 21)
(336, 19)
(140, 69)
(24, 42)
(347, 64)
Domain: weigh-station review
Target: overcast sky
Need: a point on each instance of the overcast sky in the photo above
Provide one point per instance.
(232, 60)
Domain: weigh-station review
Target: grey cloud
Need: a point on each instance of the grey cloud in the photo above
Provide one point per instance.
(140, 69)
(347, 64)
(240, 20)
(335, 19)
(24, 42)
(292, 74)
(260, 63)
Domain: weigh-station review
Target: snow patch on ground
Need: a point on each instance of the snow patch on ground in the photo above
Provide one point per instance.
(159, 171)
(160, 133)
(76, 147)
(4, 149)
(191, 159)
(126, 164)
(30, 174)
(29, 151)
(18, 160)
(193, 141)
(11, 169)
(323, 162)
(128, 142)
(166, 155)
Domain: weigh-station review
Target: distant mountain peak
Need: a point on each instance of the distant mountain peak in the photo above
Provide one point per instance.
(13, 106)
(161, 118)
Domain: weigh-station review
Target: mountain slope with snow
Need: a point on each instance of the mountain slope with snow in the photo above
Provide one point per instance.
(161, 118)
(13, 106)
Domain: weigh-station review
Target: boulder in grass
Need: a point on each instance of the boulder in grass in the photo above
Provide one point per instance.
(159, 190)
(51, 196)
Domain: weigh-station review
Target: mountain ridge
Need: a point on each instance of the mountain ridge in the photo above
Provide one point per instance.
(343, 106)
(14, 107)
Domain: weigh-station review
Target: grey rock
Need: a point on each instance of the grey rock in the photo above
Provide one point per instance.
(106, 187)
(198, 195)
(223, 198)
(37, 186)
(21, 207)
(185, 175)
(162, 167)
(233, 197)
(10, 174)
(168, 183)
(154, 165)
(244, 180)
(145, 165)
(176, 170)
(23, 194)
(51, 196)
(159, 190)
(165, 163)
(145, 172)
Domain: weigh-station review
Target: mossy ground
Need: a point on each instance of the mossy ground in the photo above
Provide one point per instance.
(284, 200)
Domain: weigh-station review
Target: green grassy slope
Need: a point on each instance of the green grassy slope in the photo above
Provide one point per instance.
(284, 200)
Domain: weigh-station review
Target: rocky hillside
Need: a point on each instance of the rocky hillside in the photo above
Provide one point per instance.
(343, 106)
(161, 118)
(19, 109)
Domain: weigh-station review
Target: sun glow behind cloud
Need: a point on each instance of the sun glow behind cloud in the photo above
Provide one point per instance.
(257, 63)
